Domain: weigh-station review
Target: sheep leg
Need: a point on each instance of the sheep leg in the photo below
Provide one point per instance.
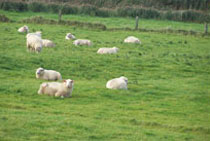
(42, 88)
(57, 94)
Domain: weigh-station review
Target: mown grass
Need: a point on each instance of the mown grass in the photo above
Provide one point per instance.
(113, 22)
(167, 97)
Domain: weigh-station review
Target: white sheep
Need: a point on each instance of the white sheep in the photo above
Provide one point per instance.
(48, 74)
(132, 39)
(70, 36)
(108, 50)
(117, 83)
(47, 43)
(23, 29)
(82, 42)
(57, 89)
(37, 33)
(34, 43)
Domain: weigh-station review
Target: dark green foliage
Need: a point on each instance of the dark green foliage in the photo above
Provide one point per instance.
(93, 9)
(14, 6)
(37, 7)
(69, 10)
(53, 8)
(4, 18)
(141, 12)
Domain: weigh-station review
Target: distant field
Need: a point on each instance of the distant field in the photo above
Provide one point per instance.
(168, 84)
(113, 22)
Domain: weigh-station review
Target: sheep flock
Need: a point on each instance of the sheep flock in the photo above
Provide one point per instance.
(35, 43)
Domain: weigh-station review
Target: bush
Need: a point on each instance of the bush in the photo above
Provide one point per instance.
(14, 6)
(69, 10)
(3, 18)
(53, 8)
(88, 10)
(187, 15)
(37, 7)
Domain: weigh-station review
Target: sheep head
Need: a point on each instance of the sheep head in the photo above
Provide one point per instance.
(39, 71)
(116, 48)
(69, 83)
(124, 78)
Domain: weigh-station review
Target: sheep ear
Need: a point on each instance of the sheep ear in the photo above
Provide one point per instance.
(72, 81)
(64, 81)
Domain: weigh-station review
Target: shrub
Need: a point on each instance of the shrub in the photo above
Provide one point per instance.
(187, 15)
(14, 6)
(37, 7)
(69, 10)
(3, 18)
(53, 8)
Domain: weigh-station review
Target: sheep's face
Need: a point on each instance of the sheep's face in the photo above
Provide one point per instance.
(69, 35)
(124, 78)
(69, 83)
(39, 71)
(116, 48)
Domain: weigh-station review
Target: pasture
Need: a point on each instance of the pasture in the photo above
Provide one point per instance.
(168, 84)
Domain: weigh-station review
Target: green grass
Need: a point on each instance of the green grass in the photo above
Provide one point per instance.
(168, 86)
(113, 22)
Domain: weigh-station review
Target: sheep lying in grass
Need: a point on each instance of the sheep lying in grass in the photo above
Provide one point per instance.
(47, 43)
(80, 42)
(132, 39)
(108, 50)
(34, 43)
(117, 83)
(70, 36)
(48, 74)
(57, 89)
(23, 29)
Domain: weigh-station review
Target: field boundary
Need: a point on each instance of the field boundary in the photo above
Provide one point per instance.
(98, 26)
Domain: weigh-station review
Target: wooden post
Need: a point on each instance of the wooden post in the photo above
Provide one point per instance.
(137, 22)
(206, 28)
(59, 15)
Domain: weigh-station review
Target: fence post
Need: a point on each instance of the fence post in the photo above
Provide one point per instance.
(137, 22)
(206, 28)
(59, 15)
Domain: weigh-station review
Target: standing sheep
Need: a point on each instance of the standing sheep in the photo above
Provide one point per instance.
(23, 29)
(48, 74)
(117, 83)
(132, 39)
(57, 89)
(70, 36)
(37, 33)
(34, 43)
(108, 50)
(47, 43)
(82, 42)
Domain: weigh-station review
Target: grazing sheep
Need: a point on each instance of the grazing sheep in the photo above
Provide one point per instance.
(23, 29)
(132, 39)
(47, 43)
(34, 43)
(57, 89)
(48, 74)
(117, 83)
(82, 42)
(70, 36)
(37, 33)
(108, 50)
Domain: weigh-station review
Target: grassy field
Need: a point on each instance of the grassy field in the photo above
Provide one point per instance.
(168, 84)
(113, 22)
